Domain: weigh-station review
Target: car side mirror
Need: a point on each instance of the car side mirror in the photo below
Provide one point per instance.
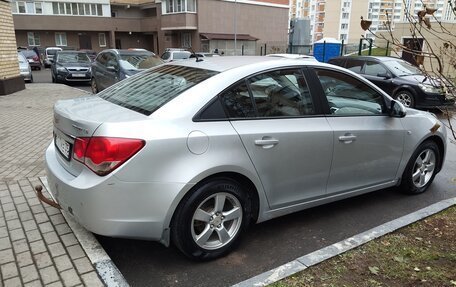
(384, 75)
(112, 69)
(397, 109)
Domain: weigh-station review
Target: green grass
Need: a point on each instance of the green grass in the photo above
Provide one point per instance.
(422, 254)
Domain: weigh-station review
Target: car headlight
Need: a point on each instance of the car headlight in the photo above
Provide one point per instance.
(430, 88)
(89, 70)
(24, 69)
(62, 69)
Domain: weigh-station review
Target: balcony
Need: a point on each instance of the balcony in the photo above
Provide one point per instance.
(181, 21)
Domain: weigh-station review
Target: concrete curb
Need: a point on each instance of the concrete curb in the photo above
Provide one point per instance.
(103, 264)
(340, 247)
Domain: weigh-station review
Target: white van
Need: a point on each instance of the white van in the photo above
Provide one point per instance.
(49, 54)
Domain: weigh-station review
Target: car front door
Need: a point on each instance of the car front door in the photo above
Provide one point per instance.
(288, 140)
(368, 143)
(112, 69)
(379, 75)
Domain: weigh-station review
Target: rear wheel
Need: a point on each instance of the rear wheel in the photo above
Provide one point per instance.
(209, 223)
(421, 168)
(406, 98)
(93, 85)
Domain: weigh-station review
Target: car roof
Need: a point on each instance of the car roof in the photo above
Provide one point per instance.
(221, 64)
(129, 52)
(378, 58)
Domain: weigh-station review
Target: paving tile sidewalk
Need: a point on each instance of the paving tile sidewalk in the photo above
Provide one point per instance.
(37, 247)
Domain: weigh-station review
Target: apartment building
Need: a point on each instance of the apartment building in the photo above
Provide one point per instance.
(10, 79)
(340, 19)
(151, 24)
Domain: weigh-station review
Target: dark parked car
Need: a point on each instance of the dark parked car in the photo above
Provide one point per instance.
(71, 66)
(398, 78)
(112, 66)
(32, 58)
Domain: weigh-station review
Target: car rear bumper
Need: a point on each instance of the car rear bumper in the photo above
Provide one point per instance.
(108, 206)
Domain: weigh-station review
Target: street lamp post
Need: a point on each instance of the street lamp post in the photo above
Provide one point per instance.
(235, 26)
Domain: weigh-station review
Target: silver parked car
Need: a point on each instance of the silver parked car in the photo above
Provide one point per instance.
(192, 152)
(24, 68)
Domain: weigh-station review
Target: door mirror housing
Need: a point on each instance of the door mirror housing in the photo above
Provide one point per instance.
(384, 75)
(397, 109)
(112, 69)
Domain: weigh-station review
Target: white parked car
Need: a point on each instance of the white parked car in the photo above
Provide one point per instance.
(192, 152)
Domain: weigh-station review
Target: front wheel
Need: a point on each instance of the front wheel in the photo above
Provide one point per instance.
(421, 168)
(406, 98)
(209, 223)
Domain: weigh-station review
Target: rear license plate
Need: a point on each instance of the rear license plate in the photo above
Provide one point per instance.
(79, 75)
(63, 147)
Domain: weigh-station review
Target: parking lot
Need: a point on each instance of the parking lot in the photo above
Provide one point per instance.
(269, 244)
(44, 76)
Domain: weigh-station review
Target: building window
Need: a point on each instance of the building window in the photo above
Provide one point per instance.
(14, 7)
(99, 10)
(344, 26)
(102, 39)
(21, 7)
(60, 39)
(345, 15)
(68, 8)
(38, 8)
(33, 39)
(178, 6)
(186, 40)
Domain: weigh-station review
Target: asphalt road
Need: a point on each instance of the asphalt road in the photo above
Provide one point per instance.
(273, 243)
(44, 76)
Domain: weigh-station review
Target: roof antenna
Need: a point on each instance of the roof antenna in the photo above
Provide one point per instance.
(194, 54)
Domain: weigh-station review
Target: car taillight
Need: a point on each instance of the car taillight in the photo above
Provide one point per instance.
(35, 58)
(104, 154)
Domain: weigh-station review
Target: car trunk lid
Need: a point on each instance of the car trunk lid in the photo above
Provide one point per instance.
(81, 117)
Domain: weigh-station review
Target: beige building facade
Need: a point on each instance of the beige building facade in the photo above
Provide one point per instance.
(10, 79)
(340, 19)
(202, 25)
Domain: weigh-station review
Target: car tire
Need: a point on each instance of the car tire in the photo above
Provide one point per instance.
(209, 222)
(406, 98)
(94, 86)
(421, 168)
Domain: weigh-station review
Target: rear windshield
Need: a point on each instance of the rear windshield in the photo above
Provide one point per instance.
(148, 91)
(134, 62)
(181, 55)
(52, 51)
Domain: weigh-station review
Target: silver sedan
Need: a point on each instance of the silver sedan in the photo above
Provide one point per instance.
(192, 152)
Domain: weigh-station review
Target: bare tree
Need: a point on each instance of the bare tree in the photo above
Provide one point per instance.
(431, 46)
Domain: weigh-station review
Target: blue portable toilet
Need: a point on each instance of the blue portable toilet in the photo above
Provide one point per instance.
(326, 48)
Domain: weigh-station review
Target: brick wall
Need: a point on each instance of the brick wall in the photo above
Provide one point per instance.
(9, 66)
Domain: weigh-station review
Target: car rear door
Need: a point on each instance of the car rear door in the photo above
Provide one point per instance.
(368, 144)
(288, 140)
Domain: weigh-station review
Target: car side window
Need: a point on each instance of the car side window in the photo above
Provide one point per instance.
(348, 96)
(166, 55)
(281, 93)
(101, 59)
(374, 69)
(111, 61)
(237, 102)
(354, 65)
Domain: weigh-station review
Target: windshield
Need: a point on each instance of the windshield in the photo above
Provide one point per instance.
(72, 58)
(52, 51)
(146, 92)
(402, 68)
(181, 55)
(139, 61)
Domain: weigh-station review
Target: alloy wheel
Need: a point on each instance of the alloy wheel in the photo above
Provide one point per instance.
(216, 221)
(424, 167)
(405, 99)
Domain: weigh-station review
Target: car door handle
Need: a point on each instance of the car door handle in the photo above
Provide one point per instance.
(266, 142)
(347, 138)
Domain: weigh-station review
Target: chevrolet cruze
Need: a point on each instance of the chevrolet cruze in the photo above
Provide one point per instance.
(192, 152)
